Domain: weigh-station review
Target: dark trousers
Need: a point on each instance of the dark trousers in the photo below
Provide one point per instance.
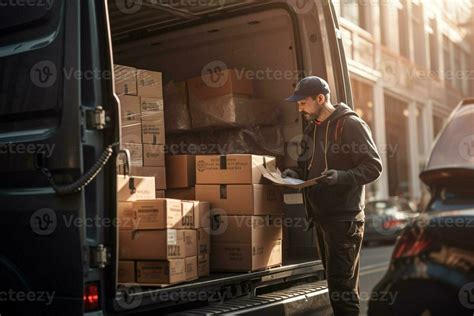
(339, 244)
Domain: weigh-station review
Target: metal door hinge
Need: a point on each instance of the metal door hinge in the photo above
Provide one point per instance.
(100, 256)
(96, 118)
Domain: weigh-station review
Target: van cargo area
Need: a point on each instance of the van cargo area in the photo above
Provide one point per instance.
(183, 43)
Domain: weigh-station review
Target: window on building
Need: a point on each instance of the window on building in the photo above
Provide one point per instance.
(398, 149)
(419, 34)
(356, 11)
(403, 29)
(433, 42)
(384, 33)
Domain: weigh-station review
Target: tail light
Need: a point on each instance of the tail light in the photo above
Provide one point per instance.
(392, 223)
(91, 297)
(411, 244)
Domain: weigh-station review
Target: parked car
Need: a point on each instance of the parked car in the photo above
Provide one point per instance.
(432, 266)
(385, 219)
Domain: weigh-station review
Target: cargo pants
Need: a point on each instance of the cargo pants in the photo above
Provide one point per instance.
(339, 245)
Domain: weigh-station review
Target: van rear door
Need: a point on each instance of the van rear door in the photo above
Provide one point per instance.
(54, 128)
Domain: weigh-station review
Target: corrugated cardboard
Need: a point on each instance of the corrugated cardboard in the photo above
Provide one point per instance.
(136, 154)
(161, 272)
(126, 272)
(125, 215)
(190, 240)
(158, 214)
(253, 199)
(231, 169)
(206, 87)
(181, 171)
(191, 268)
(188, 214)
(153, 155)
(204, 241)
(244, 257)
(203, 265)
(151, 244)
(159, 173)
(130, 189)
(177, 117)
(129, 109)
(160, 194)
(132, 133)
(150, 84)
(246, 229)
(182, 194)
(150, 107)
(202, 213)
(153, 129)
(125, 80)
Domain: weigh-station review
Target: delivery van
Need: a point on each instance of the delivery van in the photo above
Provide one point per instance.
(60, 143)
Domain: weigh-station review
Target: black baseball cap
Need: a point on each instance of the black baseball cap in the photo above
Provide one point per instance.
(309, 87)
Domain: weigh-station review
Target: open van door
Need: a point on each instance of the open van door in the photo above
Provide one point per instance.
(57, 135)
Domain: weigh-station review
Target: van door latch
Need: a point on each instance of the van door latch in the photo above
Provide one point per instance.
(96, 118)
(100, 256)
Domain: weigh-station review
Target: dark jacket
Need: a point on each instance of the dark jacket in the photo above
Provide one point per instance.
(343, 142)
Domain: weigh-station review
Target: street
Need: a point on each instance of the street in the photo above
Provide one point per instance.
(374, 263)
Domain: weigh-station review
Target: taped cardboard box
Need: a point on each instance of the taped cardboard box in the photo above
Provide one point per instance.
(203, 265)
(232, 169)
(246, 229)
(246, 257)
(126, 272)
(153, 155)
(136, 155)
(125, 215)
(132, 134)
(188, 214)
(180, 171)
(159, 173)
(236, 199)
(153, 129)
(161, 272)
(158, 214)
(177, 117)
(150, 84)
(131, 189)
(202, 214)
(125, 80)
(151, 244)
(182, 194)
(191, 243)
(129, 109)
(150, 107)
(191, 268)
(203, 241)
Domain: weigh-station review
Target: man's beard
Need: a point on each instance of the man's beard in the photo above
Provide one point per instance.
(312, 117)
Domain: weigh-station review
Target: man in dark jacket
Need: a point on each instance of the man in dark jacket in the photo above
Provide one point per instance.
(338, 145)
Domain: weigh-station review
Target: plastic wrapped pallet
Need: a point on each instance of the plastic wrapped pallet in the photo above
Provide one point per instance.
(177, 117)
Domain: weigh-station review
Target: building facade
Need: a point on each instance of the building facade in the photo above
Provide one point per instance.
(411, 62)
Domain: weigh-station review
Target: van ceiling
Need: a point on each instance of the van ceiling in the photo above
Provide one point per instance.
(155, 15)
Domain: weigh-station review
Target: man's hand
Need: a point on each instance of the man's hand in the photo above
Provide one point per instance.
(290, 173)
(331, 177)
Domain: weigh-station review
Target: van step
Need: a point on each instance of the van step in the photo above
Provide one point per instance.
(311, 297)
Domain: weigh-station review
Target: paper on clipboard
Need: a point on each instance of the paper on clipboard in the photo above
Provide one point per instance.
(276, 177)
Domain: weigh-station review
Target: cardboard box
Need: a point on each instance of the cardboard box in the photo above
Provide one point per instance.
(153, 155)
(181, 171)
(202, 214)
(188, 214)
(129, 109)
(132, 134)
(203, 241)
(160, 194)
(150, 107)
(158, 214)
(125, 215)
(236, 199)
(150, 84)
(232, 169)
(161, 272)
(191, 268)
(125, 80)
(153, 129)
(245, 257)
(203, 265)
(246, 229)
(177, 117)
(181, 194)
(205, 87)
(151, 244)
(126, 272)
(131, 189)
(136, 154)
(190, 240)
(159, 173)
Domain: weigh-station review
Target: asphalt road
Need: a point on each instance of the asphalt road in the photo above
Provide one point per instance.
(373, 265)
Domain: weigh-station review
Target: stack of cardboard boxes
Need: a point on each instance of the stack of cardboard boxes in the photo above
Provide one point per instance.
(247, 213)
(143, 130)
